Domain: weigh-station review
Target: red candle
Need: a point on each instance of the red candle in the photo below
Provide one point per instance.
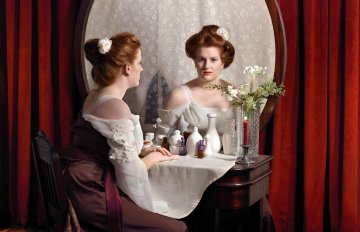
(245, 125)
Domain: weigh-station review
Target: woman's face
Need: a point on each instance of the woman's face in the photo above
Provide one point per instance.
(208, 63)
(136, 69)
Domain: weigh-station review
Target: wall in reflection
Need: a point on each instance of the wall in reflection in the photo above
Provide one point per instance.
(163, 26)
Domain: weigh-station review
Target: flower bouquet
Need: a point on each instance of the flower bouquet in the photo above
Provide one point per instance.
(247, 103)
(244, 96)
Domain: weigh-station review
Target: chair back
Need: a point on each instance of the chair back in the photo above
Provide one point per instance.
(49, 175)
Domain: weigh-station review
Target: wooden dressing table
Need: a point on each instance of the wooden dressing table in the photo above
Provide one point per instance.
(242, 188)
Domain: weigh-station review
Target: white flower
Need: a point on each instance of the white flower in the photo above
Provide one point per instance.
(158, 121)
(254, 70)
(223, 32)
(104, 45)
(232, 92)
(229, 98)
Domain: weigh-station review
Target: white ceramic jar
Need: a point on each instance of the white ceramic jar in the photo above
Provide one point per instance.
(214, 139)
(191, 143)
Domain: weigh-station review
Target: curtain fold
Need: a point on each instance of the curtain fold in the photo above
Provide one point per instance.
(315, 179)
(38, 91)
(19, 103)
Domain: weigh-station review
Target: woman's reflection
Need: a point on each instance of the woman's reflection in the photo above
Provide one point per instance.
(189, 104)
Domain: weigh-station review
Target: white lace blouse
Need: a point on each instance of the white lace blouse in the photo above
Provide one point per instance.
(125, 139)
(192, 114)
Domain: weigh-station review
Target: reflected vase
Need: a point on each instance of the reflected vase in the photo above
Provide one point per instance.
(253, 119)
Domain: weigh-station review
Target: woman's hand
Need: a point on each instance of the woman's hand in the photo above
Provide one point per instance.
(157, 154)
(148, 150)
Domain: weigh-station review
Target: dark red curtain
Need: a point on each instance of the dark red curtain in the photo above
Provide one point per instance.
(315, 137)
(314, 132)
(38, 91)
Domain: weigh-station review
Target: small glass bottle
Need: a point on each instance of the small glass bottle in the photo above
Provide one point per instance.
(182, 147)
(174, 141)
(200, 149)
(165, 144)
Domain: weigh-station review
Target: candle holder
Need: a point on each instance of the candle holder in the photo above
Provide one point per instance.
(244, 159)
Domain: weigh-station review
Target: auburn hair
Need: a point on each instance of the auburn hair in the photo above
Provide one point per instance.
(106, 66)
(208, 37)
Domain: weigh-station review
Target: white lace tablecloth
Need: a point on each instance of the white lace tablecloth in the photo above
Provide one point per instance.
(177, 186)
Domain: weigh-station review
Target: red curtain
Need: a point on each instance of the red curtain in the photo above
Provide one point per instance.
(315, 129)
(38, 91)
(315, 181)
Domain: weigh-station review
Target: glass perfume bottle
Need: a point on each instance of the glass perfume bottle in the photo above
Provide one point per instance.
(182, 147)
(165, 144)
(200, 149)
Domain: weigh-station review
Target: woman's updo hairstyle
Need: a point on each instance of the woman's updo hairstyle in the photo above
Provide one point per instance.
(208, 37)
(106, 66)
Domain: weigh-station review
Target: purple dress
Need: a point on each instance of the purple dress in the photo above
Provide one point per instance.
(91, 185)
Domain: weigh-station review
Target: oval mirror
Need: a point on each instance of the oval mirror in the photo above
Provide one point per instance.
(255, 27)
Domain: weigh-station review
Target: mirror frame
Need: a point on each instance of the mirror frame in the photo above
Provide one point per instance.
(280, 53)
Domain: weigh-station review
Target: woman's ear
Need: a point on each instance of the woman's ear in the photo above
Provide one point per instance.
(126, 70)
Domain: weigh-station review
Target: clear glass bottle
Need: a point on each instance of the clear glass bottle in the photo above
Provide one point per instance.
(228, 137)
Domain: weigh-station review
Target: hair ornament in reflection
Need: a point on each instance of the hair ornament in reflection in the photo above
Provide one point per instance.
(104, 45)
(223, 32)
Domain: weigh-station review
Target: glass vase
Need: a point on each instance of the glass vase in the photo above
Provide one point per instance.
(253, 118)
(254, 124)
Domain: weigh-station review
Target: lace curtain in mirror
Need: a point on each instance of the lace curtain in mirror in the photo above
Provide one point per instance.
(163, 26)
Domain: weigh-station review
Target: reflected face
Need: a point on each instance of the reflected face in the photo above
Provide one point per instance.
(136, 69)
(208, 63)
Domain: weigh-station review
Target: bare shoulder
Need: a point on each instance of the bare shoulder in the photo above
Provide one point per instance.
(176, 98)
(112, 109)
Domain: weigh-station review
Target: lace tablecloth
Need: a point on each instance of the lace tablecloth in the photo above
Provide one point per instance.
(177, 186)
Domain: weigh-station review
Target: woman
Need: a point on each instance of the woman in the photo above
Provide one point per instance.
(107, 141)
(189, 104)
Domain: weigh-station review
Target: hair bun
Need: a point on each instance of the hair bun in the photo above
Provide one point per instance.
(92, 51)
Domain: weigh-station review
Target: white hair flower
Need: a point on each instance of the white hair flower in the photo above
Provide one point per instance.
(104, 45)
(223, 32)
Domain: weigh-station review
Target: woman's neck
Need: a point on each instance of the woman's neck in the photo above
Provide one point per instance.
(118, 89)
(200, 82)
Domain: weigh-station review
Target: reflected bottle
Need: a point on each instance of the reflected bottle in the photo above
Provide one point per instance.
(200, 149)
(228, 137)
(193, 139)
(165, 144)
(174, 141)
(214, 139)
(182, 147)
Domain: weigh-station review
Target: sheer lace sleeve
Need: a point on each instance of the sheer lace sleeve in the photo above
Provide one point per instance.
(170, 119)
(130, 170)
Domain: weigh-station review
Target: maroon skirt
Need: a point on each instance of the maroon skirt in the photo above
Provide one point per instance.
(86, 189)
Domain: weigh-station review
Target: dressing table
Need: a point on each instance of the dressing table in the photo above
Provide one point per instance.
(243, 186)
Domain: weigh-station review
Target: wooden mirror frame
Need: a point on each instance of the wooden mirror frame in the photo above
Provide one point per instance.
(280, 53)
